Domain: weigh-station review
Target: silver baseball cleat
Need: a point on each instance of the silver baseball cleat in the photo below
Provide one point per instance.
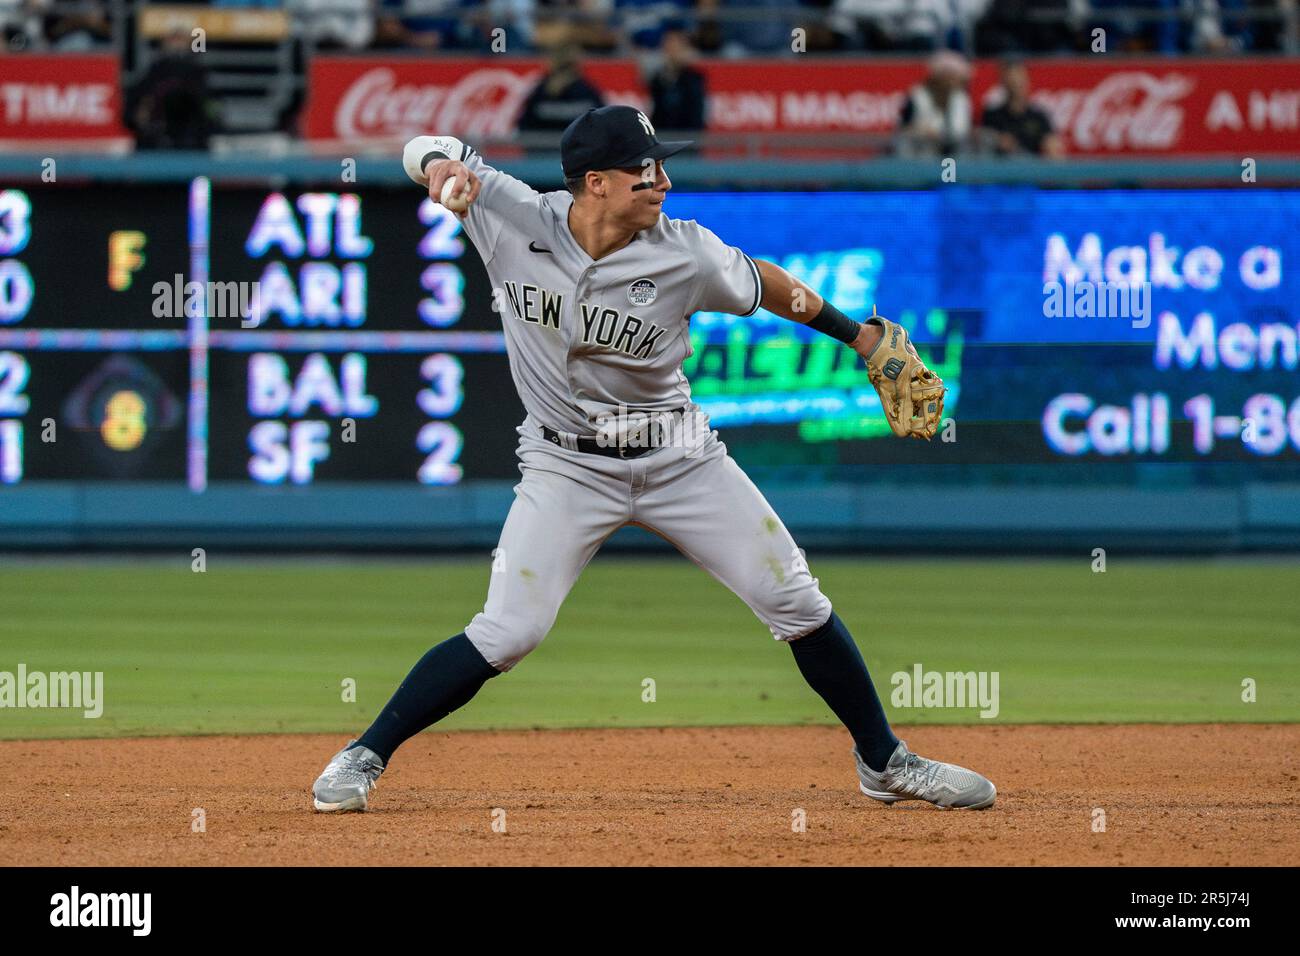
(908, 776)
(347, 780)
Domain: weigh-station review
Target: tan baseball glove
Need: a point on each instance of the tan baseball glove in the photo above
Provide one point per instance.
(911, 395)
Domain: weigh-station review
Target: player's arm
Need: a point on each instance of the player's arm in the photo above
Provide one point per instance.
(432, 161)
(788, 297)
(910, 394)
(730, 281)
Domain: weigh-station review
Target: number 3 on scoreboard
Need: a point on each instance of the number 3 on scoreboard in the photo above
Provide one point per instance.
(442, 442)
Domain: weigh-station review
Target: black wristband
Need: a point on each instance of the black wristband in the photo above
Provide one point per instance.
(432, 154)
(831, 321)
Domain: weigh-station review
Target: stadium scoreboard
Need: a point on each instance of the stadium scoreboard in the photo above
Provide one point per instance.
(191, 334)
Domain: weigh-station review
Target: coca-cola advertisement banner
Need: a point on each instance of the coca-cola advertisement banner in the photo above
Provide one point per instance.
(1237, 107)
(61, 97)
(352, 98)
(1151, 106)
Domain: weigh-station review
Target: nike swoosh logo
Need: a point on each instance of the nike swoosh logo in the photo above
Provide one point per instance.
(532, 247)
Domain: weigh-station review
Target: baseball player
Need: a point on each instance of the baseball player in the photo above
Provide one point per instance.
(596, 287)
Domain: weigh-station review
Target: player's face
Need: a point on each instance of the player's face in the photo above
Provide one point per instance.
(637, 194)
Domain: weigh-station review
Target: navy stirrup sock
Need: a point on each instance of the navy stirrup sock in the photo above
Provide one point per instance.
(444, 679)
(832, 665)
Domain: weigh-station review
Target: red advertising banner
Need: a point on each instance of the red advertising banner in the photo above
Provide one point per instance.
(1101, 107)
(60, 97)
(1236, 107)
(779, 97)
(358, 98)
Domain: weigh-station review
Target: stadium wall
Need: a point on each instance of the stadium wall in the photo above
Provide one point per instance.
(845, 517)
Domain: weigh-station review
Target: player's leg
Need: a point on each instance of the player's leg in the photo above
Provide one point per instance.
(708, 507)
(555, 525)
(714, 514)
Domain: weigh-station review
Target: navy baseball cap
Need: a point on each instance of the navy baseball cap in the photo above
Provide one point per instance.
(612, 137)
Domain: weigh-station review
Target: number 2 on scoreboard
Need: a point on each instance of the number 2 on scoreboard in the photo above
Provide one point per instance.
(14, 373)
(442, 442)
(441, 241)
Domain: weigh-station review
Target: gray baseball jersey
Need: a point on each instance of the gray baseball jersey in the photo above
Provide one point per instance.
(585, 337)
(586, 340)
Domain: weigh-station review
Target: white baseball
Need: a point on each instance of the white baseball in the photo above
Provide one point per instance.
(453, 202)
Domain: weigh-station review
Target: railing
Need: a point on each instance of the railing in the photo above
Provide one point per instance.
(688, 173)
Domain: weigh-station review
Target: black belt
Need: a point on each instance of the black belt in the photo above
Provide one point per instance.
(594, 446)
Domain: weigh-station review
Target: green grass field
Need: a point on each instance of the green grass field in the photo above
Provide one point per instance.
(263, 646)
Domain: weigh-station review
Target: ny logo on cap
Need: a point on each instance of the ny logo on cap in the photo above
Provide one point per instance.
(645, 123)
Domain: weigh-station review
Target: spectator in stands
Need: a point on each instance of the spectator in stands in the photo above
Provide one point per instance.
(707, 35)
(936, 117)
(1267, 33)
(903, 25)
(515, 18)
(418, 24)
(957, 20)
(20, 25)
(561, 95)
(824, 33)
(78, 28)
(171, 107)
(1126, 32)
(1013, 124)
(1031, 26)
(333, 24)
(644, 22)
(762, 26)
(582, 22)
(677, 88)
(1218, 26)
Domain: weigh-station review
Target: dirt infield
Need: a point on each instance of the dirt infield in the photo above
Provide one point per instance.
(1199, 794)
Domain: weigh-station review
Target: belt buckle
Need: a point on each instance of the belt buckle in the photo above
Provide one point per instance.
(649, 431)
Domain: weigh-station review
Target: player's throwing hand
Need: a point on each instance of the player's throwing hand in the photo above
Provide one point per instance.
(442, 171)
